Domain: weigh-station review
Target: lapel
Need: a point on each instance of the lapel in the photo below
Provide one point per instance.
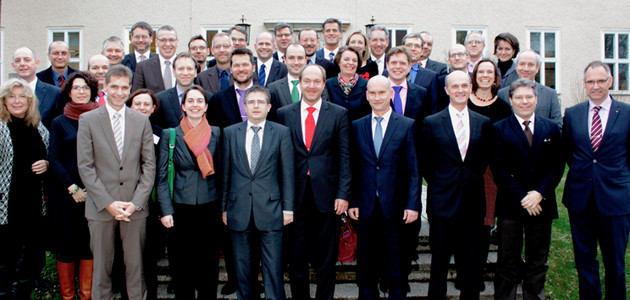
(582, 118)
(356, 89)
(157, 74)
(272, 72)
(612, 118)
(540, 132)
(233, 103)
(447, 126)
(241, 131)
(366, 131)
(132, 60)
(268, 136)
(130, 126)
(519, 133)
(296, 120)
(108, 133)
(321, 122)
(174, 102)
(285, 89)
(394, 120)
(411, 107)
(41, 91)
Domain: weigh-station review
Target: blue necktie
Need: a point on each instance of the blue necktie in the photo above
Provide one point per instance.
(331, 56)
(225, 80)
(398, 108)
(378, 135)
(261, 75)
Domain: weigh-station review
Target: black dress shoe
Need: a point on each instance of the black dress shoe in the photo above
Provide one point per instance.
(228, 288)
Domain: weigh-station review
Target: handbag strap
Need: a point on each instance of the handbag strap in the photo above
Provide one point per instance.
(171, 166)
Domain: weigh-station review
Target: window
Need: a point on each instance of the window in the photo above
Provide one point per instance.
(208, 33)
(461, 33)
(547, 44)
(395, 36)
(616, 56)
(74, 39)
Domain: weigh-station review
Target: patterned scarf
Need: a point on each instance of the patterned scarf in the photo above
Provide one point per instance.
(197, 139)
(347, 87)
(73, 110)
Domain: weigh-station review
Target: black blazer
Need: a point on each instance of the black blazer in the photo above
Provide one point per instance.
(148, 75)
(429, 80)
(437, 67)
(418, 104)
(50, 104)
(170, 111)
(189, 186)
(209, 80)
(327, 65)
(518, 168)
(356, 102)
(328, 159)
(278, 70)
(47, 75)
(130, 60)
(454, 184)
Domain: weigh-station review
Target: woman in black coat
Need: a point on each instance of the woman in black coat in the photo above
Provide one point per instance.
(71, 240)
(348, 88)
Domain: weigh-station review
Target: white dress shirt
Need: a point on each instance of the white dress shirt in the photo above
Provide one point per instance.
(452, 111)
(147, 55)
(327, 53)
(162, 65)
(423, 63)
(603, 114)
(304, 114)
(267, 68)
(33, 84)
(384, 122)
(249, 136)
(380, 62)
(531, 122)
(111, 111)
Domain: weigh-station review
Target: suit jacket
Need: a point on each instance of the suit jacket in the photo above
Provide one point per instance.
(223, 108)
(437, 67)
(510, 76)
(278, 70)
(148, 75)
(418, 104)
(356, 102)
(189, 186)
(331, 71)
(548, 103)
(264, 194)
(170, 111)
(603, 175)
(280, 91)
(50, 105)
(108, 177)
(47, 75)
(210, 81)
(454, 184)
(429, 80)
(393, 173)
(130, 60)
(328, 159)
(518, 168)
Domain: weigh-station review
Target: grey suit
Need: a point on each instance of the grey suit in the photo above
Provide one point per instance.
(148, 75)
(548, 103)
(210, 81)
(107, 178)
(255, 202)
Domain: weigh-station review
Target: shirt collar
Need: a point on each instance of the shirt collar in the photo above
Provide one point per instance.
(111, 111)
(291, 78)
(386, 116)
(261, 125)
(318, 105)
(453, 111)
(521, 120)
(247, 88)
(605, 105)
(33, 83)
(377, 59)
(162, 60)
(404, 84)
(56, 75)
(424, 62)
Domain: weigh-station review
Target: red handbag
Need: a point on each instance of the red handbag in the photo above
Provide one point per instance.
(347, 242)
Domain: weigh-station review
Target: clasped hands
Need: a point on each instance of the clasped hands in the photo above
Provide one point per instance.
(531, 203)
(121, 210)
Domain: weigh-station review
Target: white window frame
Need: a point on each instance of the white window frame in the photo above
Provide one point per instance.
(615, 88)
(555, 60)
(204, 33)
(392, 34)
(468, 29)
(65, 31)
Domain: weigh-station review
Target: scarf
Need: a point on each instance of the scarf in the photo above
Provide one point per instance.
(197, 139)
(73, 110)
(347, 87)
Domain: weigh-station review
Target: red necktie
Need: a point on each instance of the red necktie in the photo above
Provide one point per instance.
(596, 128)
(309, 126)
(101, 98)
(61, 81)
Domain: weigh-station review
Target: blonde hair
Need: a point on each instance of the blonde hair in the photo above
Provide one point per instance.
(32, 117)
(366, 53)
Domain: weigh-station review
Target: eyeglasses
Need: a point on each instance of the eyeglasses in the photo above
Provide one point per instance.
(80, 88)
(413, 46)
(599, 82)
(172, 41)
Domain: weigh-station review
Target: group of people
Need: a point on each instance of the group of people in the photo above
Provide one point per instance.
(257, 156)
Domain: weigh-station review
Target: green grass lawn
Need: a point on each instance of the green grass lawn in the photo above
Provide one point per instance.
(562, 278)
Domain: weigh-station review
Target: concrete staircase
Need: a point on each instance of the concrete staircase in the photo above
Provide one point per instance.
(346, 287)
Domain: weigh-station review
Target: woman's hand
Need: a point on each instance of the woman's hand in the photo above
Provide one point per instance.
(40, 166)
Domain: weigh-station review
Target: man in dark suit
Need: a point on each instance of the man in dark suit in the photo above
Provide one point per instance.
(527, 166)
(25, 65)
(98, 65)
(198, 48)
(258, 194)
(309, 40)
(421, 76)
(228, 105)
(378, 38)
(170, 109)
(116, 161)
(456, 147)
(427, 48)
(527, 66)
(385, 191)
(268, 69)
(58, 72)
(156, 73)
(283, 36)
(321, 143)
(287, 90)
(457, 59)
(597, 139)
(219, 76)
(141, 37)
(333, 31)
